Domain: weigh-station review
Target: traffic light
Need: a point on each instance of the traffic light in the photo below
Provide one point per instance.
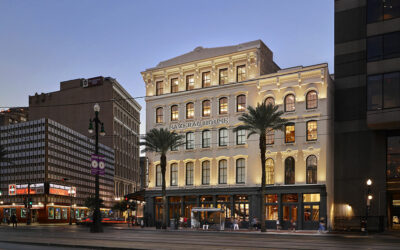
(25, 203)
(30, 202)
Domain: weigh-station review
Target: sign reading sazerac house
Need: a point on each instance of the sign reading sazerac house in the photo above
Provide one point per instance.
(22, 189)
(197, 124)
(62, 190)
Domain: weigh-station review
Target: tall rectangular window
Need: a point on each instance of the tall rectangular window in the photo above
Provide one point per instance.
(223, 76)
(241, 73)
(189, 82)
(289, 133)
(391, 45)
(206, 79)
(190, 140)
(240, 103)
(240, 170)
(189, 173)
(174, 174)
(159, 115)
(159, 88)
(174, 85)
(206, 140)
(222, 171)
(190, 110)
(174, 113)
(312, 131)
(391, 90)
(374, 92)
(205, 173)
(241, 137)
(206, 108)
(270, 137)
(223, 105)
(158, 176)
(223, 137)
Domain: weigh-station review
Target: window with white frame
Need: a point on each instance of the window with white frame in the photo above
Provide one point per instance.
(240, 170)
(205, 173)
(158, 176)
(189, 173)
(222, 171)
(223, 137)
(189, 140)
(174, 174)
(206, 138)
(241, 137)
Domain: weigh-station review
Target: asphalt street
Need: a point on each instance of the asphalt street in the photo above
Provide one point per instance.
(62, 237)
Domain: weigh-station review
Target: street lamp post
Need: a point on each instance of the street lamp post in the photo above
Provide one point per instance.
(96, 225)
(368, 203)
(71, 193)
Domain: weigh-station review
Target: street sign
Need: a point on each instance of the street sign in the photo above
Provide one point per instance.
(98, 165)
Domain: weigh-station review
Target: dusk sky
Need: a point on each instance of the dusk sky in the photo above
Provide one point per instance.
(45, 42)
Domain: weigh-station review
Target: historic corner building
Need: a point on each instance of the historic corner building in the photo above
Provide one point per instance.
(367, 113)
(54, 161)
(73, 105)
(201, 95)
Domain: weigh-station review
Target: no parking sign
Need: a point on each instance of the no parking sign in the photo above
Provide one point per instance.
(98, 164)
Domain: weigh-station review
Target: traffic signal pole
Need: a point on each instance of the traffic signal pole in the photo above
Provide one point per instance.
(28, 220)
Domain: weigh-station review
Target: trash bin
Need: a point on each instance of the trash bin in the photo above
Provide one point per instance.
(172, 224)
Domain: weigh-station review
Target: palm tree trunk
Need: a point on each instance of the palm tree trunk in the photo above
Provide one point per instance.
(163, 161)
(262, 152)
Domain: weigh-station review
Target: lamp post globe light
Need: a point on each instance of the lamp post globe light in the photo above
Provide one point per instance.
(368, 203)
(96, 225)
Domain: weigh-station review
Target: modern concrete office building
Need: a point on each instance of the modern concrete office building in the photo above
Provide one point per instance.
(201, 95)
(73, 105)
(55, 161)
(367, 113)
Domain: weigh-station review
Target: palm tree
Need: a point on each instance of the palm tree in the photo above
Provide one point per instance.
(161, 141)
(259, 121)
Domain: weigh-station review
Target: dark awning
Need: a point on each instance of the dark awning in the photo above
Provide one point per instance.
(137, 196)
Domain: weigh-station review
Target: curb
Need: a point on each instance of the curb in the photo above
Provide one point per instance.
(67, 245)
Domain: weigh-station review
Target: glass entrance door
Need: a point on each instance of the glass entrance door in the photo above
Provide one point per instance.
(310, 217)
(289, 216)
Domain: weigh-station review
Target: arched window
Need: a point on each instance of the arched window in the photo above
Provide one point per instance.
(240, 170)
(174, 113)
(269, 101)
(189, 173)
(289, 171)
(190, 110)
(223, 105)
(205, 173)
(159, 115)
(189, 140)
(222, 171)
(289, 103)
(158, 176)
(206, 139)
(206, 108)
(311, 169)
(269, 172)
(312, 99)
(223, 137)
(241, 103)
(174, 174)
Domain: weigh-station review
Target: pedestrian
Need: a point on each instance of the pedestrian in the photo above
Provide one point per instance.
(235, 224)
(14, 220)
(321, 227)
(254, 223)
(278, 226)
(293, 225)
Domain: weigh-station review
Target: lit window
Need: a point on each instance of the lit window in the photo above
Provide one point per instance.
(289, 171)
(174, 174)
(289, 133)
(241, 73)
(240, 170)
(311, 169)
(206, 108)
(270, 100)
(241, 137)
(312, 100)
(190, 82)
(158, 176)
(270, 137)
(205, 173)
(189, 173)
(241, 103)
(190, 110)
(206, 139)
(222, 171)
(159, 115)
(206, 79)
(190, 140)
(289, 103)
(223, 76)
(312, 131)
(223, 105)
(174, 85)
(223, 137)
(174, 113)
(159, 88)
(269, 171)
